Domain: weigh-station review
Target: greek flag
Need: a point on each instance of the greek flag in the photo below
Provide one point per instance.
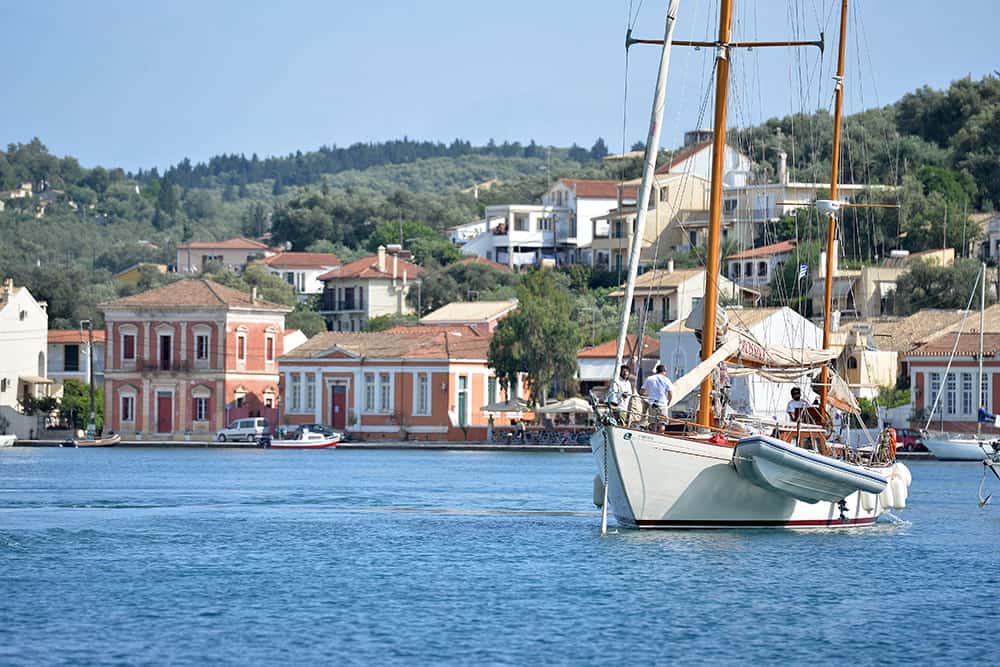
(803, 269)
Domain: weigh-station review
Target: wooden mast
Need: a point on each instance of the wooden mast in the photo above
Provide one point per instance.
(831, 227)
(715, 206)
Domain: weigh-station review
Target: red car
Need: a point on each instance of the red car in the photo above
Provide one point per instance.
(908, 440)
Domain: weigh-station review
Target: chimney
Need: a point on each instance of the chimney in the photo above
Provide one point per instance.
(670, 266)
(381, 258)
(783, 167)
(395, 265)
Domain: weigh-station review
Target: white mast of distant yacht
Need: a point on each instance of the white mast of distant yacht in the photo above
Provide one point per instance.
(648, 171)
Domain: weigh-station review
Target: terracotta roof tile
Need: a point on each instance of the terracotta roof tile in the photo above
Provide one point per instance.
(193, 293)
(238, 243)
(587, 189)
(367, 267)
(608, 349)
(765, 251)
(968, 345)
(302, 260)
(74, 336)
(410, 342)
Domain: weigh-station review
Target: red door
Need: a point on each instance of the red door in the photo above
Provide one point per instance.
(164, 413)
(338, 412)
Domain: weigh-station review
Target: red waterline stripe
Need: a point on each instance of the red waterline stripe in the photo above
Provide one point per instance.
(801, 523)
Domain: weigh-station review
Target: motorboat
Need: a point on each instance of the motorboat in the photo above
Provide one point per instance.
(947, 447)
(801, 473)
(7, 440)
(109, 441)
(306, 439)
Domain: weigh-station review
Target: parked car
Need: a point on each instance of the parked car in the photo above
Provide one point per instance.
(908, 440)
(249, 429)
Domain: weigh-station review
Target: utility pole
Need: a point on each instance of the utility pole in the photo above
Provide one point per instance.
(92, 424)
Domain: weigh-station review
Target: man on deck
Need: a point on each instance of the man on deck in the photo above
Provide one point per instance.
(658, 390)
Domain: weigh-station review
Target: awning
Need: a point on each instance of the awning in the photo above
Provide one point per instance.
(515, 405)
(841, 287)
(33, 379)
(885, 289)
(569, 405)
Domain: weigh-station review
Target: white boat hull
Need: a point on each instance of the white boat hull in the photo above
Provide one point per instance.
(665, 481)
(946, 448)
(7, 440)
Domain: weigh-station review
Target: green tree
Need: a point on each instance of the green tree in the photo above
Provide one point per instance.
(539, 339)
(307, 321)
(928, 285)
(74, 406)
(383, 322)
(166, 201)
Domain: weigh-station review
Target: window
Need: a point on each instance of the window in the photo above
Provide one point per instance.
(967, 399)
(935, 389)
(762, 269)
(986, 391)
(618, 229)
(200, 409)
(665, 193)
(201, 347)
(423, 406)
(290, 277)
(545, 223)
(269, 348)
(310, 391)
(3, 384)
(23, 315)
(520, 222)
(384, 392)
(852, 363)
(728, 205)
(71, 358)
(241, 398)
(748, 269)
(128, 408)
(369, 392)
(128, 347)
(735, 267)
(491, 390)
(294, 392)
(572, 225)
(949, 394)
(692, 238)
(268, 400)
(241, 347)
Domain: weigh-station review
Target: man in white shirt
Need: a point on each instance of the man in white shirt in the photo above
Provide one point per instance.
(796, 405)
(620, 394)
(658, 391)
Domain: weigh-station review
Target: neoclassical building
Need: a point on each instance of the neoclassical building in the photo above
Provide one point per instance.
(186, 359)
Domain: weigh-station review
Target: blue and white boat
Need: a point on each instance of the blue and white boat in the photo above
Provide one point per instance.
(802, 473)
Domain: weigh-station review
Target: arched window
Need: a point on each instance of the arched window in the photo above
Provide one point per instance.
(852, 363)
(761, 269)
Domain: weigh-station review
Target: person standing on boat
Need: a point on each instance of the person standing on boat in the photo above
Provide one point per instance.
(658, 390)
(796, 405)
(620, 394)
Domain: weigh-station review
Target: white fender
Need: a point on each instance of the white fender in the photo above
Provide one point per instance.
(885, 498)
(898, 493)
(598, 491)
(901, 471)
(867, 501)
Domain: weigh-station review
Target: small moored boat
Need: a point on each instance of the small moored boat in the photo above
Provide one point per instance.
(801, 473)
(308, 440)
(109, 441)
(7, 440)
(958, 448)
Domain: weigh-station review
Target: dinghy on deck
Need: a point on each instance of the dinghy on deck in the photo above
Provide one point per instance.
(801, 473)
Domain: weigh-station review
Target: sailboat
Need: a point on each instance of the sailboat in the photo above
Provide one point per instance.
(704, 474)
(963, 447)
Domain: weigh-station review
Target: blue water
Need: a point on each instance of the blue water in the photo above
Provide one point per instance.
(124, 556)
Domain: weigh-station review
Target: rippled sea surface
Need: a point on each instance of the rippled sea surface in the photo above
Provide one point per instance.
(125, 556)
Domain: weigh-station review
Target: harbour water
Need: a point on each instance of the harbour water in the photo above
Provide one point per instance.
(125, 556)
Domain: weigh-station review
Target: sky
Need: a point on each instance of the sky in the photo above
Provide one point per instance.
(141, 84)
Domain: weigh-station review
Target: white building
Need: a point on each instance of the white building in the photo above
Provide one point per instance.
(302, 270)
(366, 288)
(680, 351)
(559, 229)
(671, 294)
(231, 253)
(754, 268)
(24, 324)
(70, 358)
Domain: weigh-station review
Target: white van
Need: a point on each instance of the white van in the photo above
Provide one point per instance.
(244, 429)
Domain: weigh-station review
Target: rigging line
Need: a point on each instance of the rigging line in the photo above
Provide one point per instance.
(954, 347)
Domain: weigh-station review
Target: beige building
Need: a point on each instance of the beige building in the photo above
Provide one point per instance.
(231, 253)
(869, 292)
(671, 294)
